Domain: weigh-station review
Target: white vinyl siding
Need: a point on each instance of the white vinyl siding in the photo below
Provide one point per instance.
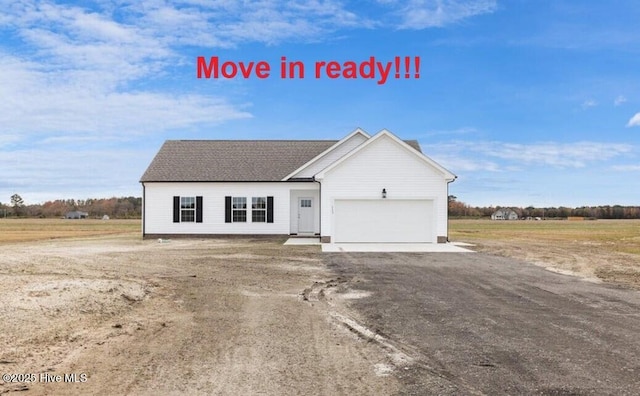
(332, 156)
(158, 217)
(374, 165)
(384, 163)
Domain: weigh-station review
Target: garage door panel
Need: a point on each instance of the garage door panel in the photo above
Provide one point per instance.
(383, 220)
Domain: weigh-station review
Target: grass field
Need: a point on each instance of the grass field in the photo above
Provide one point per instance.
(25, 230)
(611, 235)
(604, 249)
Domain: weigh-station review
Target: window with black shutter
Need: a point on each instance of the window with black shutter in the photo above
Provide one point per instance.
(236, 209)
(187, 209)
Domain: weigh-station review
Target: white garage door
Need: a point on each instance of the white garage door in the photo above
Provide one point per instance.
(383, 220)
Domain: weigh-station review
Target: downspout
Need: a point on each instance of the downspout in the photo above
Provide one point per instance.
(144, 206)
(448, 223)
(319, 207)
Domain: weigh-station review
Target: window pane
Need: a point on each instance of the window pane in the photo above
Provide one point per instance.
(239, 216)
(259, 216)
(239, 203)
(259, 209)
(259, 202)
(187, 209)
(187, 202)
(239, 212)
(187, 215)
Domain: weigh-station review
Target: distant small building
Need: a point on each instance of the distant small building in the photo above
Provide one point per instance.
(504, 214)
(76, 214)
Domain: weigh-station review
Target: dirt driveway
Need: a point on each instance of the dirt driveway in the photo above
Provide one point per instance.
(118, 315)
(481, 324)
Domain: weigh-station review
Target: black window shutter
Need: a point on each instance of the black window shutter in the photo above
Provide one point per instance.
(269, 209)
(198, 209)
(227, 209)
(176, 209)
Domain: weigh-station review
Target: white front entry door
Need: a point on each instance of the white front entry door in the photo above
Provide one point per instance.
(305, 215)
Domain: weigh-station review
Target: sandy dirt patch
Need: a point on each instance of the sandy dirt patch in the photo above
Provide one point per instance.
(579, 259)
(602, 250)
(118, 315)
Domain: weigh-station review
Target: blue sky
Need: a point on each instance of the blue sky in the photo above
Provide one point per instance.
(528, 102)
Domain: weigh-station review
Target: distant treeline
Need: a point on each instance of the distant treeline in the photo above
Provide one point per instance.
(460, 209)
(131, 207)
(117, 208)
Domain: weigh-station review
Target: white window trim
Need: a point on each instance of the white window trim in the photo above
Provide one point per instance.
(234, 210)
(258, 210)
(183, 210)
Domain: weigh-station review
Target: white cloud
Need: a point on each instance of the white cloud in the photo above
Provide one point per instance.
(589, 103)
(421, 14)
(37, 174)
(572, 155)
(619, 100)
(626, 168)
(76, 73)
(576, 155)
(40, 102)
(450, 132)
(227, 24)
(503, 156)
(634, 121)
(465, 164)
(78, 65)
(7, 140)
(80, 76)
(540, 173)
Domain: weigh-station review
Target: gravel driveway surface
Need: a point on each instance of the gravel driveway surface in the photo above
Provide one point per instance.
(480, 324)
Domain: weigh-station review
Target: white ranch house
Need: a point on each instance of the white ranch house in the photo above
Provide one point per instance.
(505, 214)
(359, 189)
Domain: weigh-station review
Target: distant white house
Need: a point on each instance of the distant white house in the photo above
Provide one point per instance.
(76, 214)
(504, 214)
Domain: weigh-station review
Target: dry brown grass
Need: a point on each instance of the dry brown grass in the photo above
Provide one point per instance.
(25, 230)
(604, 249)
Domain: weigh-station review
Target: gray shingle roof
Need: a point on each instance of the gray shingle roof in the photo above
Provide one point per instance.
(233, 160)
